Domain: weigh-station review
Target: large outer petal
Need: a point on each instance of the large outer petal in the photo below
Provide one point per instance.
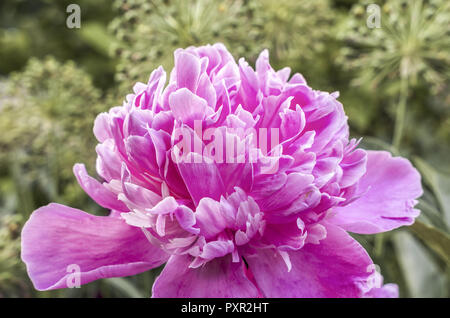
(219, 278)
(385, 291)
(57, 236)
(337, 267)
(389, 189)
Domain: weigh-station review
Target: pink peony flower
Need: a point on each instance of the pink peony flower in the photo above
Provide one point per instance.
(244, 182)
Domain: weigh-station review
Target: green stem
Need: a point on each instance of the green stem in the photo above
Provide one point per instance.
(379, 244)
(401, 113)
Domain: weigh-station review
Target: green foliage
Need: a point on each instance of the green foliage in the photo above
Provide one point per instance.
(413, 41)
(47, 111)
(149, 31)
(12, 270)
(46, 114)
(422, 275)
(406, 65)
(37, 28)
(437, 240)
(296, 32)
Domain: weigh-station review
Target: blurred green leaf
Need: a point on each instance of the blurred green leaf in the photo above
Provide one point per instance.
(439, 182)
(423, 276)
(125, 287)
(96, 35)
(375, 143)
(437, 240)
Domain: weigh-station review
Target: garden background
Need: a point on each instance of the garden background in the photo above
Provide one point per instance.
(393, 83)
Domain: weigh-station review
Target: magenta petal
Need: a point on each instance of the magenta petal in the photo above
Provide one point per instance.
(101, 127)
(296, 185)
(354, 167)
(337, 267)
(219, 278)
(202, 180)
(135, 122)
(187, 107)
(206, 91)
(210, 218)
(392, 185)
(97, 191)
(57, 236)
(287, 236)
(187, 68)
(108, 162)
(155, 86)
(142, 154)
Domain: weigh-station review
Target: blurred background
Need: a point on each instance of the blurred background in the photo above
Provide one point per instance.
(393, 80)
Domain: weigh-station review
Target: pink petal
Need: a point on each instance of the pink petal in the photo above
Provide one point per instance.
(202, 179)
(136, 122)
(187, 68)
(386, 291)
(141, 153)
(57, 236)
(248, 92)
(296, 185)
(392, 185)
(288, 236)
(206, 91)
(295, 196)
(337, 267)
(96, 190)
(108, 162)
(155, 86)
(163, 121)
(102, 129)
(236, 175)
(187, 107)
(211, 218)
(137, 196)
(354, 167)
(219, 278)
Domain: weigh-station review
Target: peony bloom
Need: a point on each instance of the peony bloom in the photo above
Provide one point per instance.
(244, 182)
